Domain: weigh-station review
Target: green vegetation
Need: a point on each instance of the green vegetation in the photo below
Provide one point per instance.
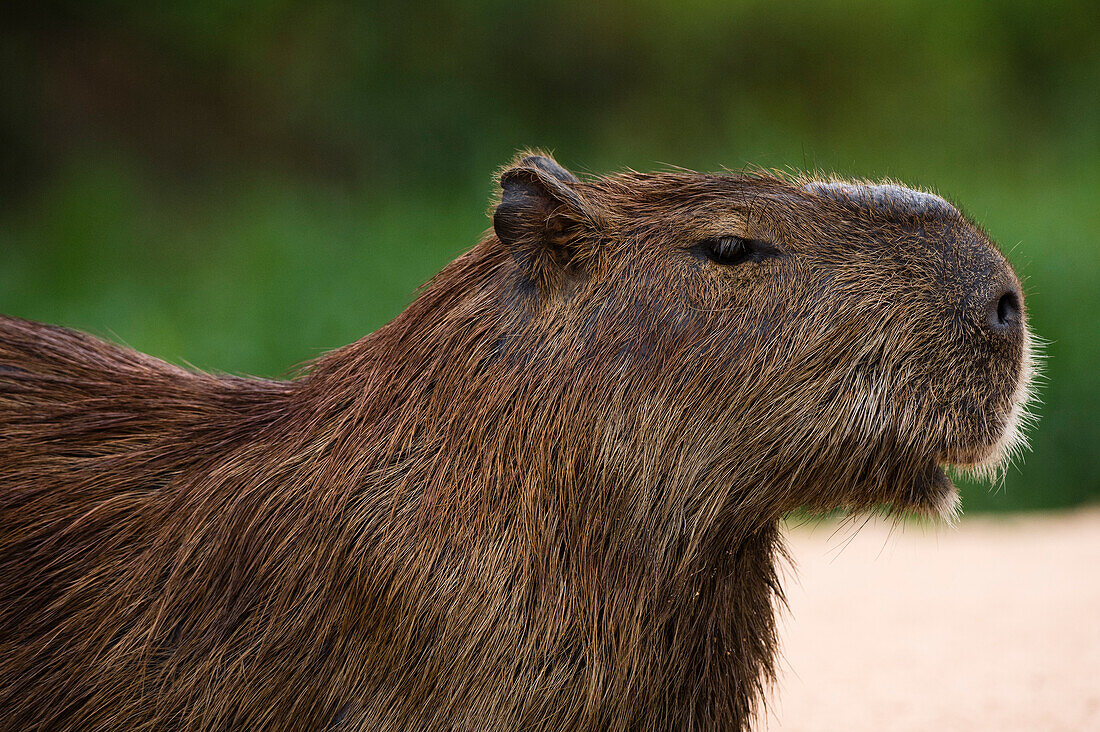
(242, 186)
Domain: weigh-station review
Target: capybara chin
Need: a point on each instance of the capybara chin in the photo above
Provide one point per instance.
(545, 497)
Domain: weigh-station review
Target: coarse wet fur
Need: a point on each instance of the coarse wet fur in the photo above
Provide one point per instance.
(545, 497)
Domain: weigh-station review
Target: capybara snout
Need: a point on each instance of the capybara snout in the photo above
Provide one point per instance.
(969, 334)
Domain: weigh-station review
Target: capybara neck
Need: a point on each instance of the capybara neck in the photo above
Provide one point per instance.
(564, 512)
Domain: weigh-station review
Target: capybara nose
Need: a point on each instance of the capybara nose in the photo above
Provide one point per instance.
(1002, 313)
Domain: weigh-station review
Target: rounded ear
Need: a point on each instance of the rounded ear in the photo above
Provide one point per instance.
(542, 218)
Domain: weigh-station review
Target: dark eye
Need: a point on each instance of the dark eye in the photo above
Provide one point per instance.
(732, 250)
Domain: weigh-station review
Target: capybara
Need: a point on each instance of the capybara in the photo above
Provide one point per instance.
(547, 496)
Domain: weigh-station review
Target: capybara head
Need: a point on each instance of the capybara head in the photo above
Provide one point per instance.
(779, 342)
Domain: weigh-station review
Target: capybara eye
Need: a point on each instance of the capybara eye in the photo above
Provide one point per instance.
(733, 250)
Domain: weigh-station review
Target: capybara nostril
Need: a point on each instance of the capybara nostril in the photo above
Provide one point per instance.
(1003, 312)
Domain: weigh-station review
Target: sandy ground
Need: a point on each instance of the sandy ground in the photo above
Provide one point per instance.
(993, 625)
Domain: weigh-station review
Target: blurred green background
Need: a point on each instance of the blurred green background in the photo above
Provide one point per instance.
(242, 185)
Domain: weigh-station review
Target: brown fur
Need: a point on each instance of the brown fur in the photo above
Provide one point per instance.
(545, 497)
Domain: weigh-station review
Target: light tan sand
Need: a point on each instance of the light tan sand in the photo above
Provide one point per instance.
(994, 625)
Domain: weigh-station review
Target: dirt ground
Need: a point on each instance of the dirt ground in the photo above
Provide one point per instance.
(993, 625)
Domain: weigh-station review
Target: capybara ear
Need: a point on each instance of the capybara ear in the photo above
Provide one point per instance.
(544, 220)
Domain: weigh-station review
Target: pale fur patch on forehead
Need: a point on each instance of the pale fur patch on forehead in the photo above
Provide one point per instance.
(887, 196)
